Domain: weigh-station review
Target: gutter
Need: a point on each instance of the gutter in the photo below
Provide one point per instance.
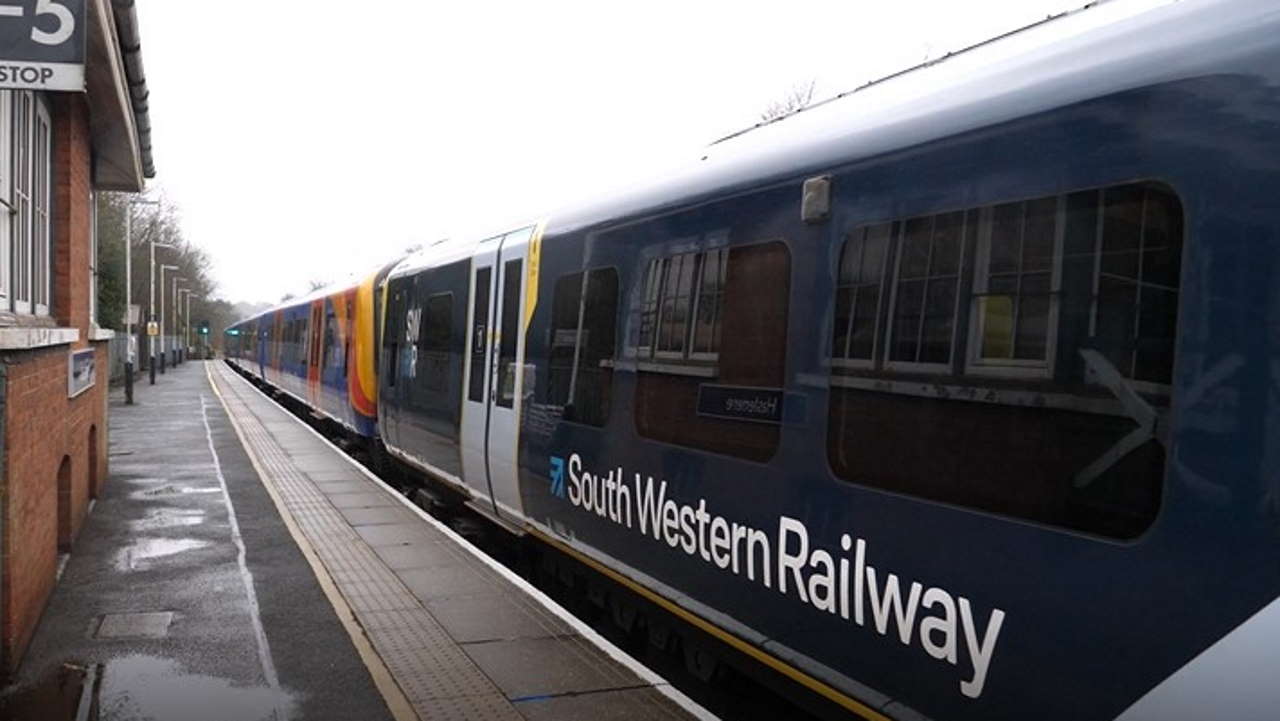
(126, 17)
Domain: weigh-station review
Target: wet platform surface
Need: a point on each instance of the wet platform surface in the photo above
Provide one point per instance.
(290, 582)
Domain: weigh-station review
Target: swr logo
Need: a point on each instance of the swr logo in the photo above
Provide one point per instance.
(557, 476)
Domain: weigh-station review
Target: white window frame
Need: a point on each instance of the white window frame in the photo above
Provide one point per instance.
(93, 258)
(7, 210)
(881, 301)
(976, 364)
(896, 247)
(27, 245)
(41, 207)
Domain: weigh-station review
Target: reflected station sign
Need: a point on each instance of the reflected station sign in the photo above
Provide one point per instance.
(42, 44)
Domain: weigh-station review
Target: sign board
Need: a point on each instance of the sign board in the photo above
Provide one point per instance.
(42, 44)
(135, 314)
(82, 371)
(153, 328)
(740, 403)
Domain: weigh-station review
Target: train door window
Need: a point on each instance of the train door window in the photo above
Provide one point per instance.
(1016, 275)
(733, 404)
(435, 337)
(584, 313)
(507, 366)
(927, 281)
(479, 335)
(330, 358)
(858, 294)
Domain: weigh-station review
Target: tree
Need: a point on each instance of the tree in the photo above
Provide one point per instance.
(162, 224)
(796, 99)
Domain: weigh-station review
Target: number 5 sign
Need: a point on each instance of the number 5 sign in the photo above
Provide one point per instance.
(42, 44)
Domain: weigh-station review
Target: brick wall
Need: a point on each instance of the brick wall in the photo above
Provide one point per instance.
(42, 427)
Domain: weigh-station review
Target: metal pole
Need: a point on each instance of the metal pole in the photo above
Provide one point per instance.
(173, 350)
(128, 304)
(151, 315)
(161, 353)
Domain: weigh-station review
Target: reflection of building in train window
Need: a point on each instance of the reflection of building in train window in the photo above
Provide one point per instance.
(858, 294)
(1065, 370)
(926, 283)
(1015, 286)
(679, 316)
(736, 345)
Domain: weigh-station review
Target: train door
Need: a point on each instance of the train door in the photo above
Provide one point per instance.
(314, 345)
(495, 363)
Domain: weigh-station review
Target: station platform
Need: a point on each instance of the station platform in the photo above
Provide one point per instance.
(239, 566)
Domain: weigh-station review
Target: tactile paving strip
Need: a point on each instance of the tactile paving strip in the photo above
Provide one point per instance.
(440, 681)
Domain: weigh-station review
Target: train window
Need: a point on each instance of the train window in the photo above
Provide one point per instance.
(735, 406)
(1069, 349)
(479, 335)
(583, 332)
(434, 338)
(510, 328)
(926, 286)
(858, 295)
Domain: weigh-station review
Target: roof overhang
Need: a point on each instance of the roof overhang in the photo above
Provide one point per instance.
(121, 160)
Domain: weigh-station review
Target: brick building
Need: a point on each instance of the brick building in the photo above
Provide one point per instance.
(56, 150)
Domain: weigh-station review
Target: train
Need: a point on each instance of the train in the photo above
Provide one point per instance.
(955, 397)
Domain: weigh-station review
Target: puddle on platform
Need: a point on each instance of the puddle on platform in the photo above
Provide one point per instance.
(141, 553)
(168, 518)
(53, 698)
(171, 490)
(146, 688)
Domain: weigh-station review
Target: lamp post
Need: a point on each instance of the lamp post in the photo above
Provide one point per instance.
(151, 306)
(177, 311)
(180, 339)
(163, 351)
(189, 295)
(131, 351)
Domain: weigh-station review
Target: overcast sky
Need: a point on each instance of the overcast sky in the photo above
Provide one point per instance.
(305, 139)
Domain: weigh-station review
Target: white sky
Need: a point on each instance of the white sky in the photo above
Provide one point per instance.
(305, 139)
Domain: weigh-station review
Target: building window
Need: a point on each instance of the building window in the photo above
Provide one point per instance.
(1016, 276)
(25, 133)
(922, 329)
(93, 258)
(858, 294)
(680, 314)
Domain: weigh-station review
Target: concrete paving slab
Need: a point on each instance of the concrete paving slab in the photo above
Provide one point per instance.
(445, 581)
(360, 500)
(492, 617)
(392, 534)
(380, 515)
(135, 625)
(549, 667)
(419, 554)
(344, 486)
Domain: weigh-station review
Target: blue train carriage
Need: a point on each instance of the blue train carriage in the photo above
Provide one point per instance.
(954, 404)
